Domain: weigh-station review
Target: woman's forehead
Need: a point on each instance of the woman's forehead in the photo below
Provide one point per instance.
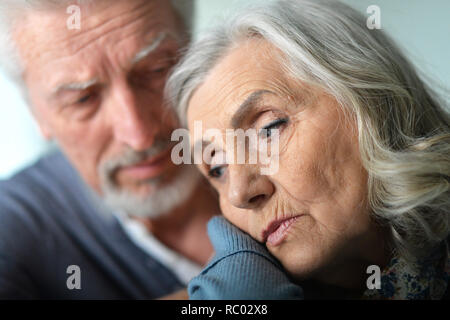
(250, 67)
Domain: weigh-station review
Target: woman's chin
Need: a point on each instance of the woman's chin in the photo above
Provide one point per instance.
(300, 262)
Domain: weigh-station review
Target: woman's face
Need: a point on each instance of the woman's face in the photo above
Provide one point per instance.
(311, 213)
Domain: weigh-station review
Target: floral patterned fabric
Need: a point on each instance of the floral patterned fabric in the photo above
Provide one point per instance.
(427, 279)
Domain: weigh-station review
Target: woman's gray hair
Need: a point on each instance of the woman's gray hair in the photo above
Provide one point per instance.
(403, 128)
(12, 10)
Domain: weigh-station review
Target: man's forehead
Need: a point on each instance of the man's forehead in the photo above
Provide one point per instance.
(42, 31)
(85, 77)
(45, 39)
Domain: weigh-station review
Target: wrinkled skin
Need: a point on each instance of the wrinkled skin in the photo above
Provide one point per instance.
(320, 178)
(124, 108)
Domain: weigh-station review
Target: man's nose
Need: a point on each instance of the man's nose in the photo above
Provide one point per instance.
(133, 123)
(247, 188)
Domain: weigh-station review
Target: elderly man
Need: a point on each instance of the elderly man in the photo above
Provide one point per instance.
(110, 215)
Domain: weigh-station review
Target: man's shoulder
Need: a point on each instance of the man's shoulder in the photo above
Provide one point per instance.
(45, 171)
(28, 199)
(24, 202)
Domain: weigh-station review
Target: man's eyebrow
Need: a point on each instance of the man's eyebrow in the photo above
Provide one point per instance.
(147, 50)
(75, 86)
(244, 108)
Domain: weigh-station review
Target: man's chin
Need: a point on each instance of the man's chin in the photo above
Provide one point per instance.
(141, 190)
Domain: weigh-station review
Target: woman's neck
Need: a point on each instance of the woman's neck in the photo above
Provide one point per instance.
(350, 270)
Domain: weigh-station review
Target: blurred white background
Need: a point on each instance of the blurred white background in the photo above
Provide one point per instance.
(422, 28)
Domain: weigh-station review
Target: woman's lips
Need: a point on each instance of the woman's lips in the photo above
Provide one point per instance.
(277, 230)
(147, 169)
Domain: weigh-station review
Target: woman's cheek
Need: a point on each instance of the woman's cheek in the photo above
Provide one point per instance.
(236, 216)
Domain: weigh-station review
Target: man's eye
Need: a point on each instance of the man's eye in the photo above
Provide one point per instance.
(266, 131)
(86, 98)
(160, 69)
(151, 77)
(216, 172)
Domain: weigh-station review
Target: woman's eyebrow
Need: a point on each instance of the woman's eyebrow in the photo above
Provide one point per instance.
(200, 144)
(246, 106)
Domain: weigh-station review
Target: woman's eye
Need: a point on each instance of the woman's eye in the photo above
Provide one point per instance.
(266, 131)
(216, 172)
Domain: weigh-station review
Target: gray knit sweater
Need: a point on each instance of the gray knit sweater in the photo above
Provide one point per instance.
(242, 268)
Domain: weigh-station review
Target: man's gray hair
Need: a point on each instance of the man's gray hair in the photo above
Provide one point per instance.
(10, 11)
(403, 130)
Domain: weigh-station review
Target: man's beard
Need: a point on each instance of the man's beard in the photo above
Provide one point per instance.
(161, 200)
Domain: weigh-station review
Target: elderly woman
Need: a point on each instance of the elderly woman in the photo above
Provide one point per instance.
(363, 151)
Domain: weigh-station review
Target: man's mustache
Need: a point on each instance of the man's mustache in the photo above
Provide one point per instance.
(130, 157)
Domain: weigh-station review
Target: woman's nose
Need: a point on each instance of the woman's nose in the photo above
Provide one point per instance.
(247, 188)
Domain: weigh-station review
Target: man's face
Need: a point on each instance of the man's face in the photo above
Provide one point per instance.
(99, 90)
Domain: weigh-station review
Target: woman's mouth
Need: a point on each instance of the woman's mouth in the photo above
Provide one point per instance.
(277, 230)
